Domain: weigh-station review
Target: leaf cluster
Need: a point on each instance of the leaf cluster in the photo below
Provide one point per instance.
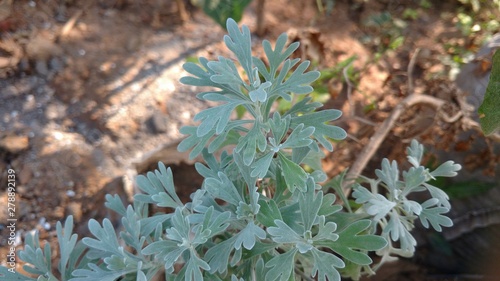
(261, 212)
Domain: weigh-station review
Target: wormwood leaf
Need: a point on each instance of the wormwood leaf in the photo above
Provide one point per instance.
(434, 215)
(239, 42)
(149, 224)
(440, 195)
(261, 166)
(299, 137)
(322, 130)
(217, 116)
(13, 275)
(282, 233)
(390, 175)
(213, 166)
(97, 273)
(325, 266)
(218, 255)
(166, 251)
(245, 170)
(298, 82)
(413, 179)
(412, 207)
(328, 205)
(159, 188)
(398, 227)
(249, 144)
(275, 57)
(374, 204)
(379, 207)
(132, 233)
(303, 106)
(447, 169)
(223, 188)
(106, 237)
(281, 266)
(295, 176)
(201, 75)
(114, 202)
(247, 236)
(269, 212)
(214, 222)
(67, 242)
(310, 203)
(326, 231)
(260, 94)
(194, 266)
(226, 73)
(489, 113)
(279, 126)
(193, 141)
(415, 152)
(33, 254)
(351, 243)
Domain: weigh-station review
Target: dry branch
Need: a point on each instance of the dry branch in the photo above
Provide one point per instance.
(367, 152)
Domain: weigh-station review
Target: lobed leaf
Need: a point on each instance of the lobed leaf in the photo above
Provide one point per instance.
(414, 178)
(325, 266)
(295, 176)
(310, 203)
(434, 215)
(223, 188)
(447, 169)
(281, 266)
(351, 245)
(106, 237)
(390, 176)
(415, 152)
(440, 195)
(282, 233)
(216, 117)
(67, 242)
(247, 236)
(299, 137)
(322, 130)
(96, 273)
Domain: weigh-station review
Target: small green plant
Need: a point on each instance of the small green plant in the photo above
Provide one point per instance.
(221, 10)
(261, 213)
(489, 113)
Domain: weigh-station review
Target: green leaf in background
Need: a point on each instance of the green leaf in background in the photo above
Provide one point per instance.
(489, 111)
(221, 10)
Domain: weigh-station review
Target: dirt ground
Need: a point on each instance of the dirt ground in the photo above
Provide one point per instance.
(89, 98)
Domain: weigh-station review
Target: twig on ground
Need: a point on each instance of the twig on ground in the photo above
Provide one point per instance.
(411, 66)
(380, 134)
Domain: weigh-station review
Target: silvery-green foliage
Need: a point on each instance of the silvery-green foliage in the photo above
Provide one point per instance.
(388, 202)
(259, 215)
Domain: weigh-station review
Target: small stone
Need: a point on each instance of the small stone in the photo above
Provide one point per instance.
(41, 67)
(56, 64)
(159, 122)
(14, 144)
(74, 209)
